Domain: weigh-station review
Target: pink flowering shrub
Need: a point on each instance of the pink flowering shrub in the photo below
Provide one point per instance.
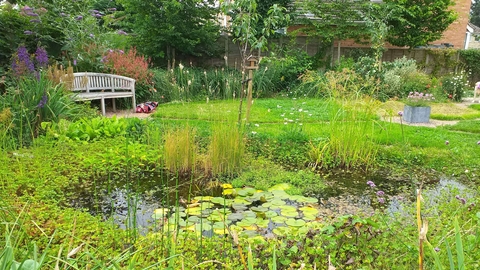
(128, 64)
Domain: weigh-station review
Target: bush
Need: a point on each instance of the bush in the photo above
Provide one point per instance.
(454, 86)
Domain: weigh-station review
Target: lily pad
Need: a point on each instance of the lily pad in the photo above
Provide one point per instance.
(239, 206)
(249, 214)
(259, 209)
(279, 219)
(288, 213)
(194, 219)
(246, 192)
(308, 217)
(235, 216)
(303, 199)
(282, 231)
(295, 222)
(220, 201)
(307, 210)
(203, 227)
(288, 208)
(280, 194)
(160, 213)
(246, 222)
(262, 223)
(248, 233)
(270, 214)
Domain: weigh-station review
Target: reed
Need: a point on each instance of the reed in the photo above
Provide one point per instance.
(226, 149)
(180, 150)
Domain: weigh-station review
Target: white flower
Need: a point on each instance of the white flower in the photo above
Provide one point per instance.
(180, 66)
(257, 125)
(278, 106)
(300, 110)
(254, 132)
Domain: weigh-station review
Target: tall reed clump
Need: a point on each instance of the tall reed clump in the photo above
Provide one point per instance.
(226, 149)
(352, 125)
(180, 150)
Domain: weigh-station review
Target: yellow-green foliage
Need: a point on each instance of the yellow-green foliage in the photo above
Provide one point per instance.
(180, 150)
(226, 149)
(58, 74)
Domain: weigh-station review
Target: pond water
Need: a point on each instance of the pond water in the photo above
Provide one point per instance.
(133, 204)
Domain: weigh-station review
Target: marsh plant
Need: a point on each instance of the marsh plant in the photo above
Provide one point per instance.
(180, 150)
(226, 149)
(351, 137)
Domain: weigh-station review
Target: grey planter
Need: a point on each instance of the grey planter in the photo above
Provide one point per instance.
(416, 114)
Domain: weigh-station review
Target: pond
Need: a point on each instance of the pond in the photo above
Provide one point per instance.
(133, 204)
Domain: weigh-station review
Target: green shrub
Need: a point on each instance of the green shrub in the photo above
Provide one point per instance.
(454, 86)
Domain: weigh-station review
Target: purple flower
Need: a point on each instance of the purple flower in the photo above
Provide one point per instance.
(121, 32)
(381, 200)
(29, 13)
(400, 113)
(63, 14)
(94, 11)
(43, 101)
(370, 183)
(42, 57)
(437, 249)
(463, 201)
(120, 51)
(79, 18)
(457, 197)
(27, 8)
(112, 9)
(35, 21)
(22, 62)
(28, 32)
(380, 193)
(74, 62)
(92, 35)
(447, 142)
(478, 143)
(97, 15)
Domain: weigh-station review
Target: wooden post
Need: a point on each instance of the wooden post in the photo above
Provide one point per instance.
(252, 66)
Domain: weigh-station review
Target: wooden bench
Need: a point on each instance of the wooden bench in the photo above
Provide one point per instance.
(92, 86)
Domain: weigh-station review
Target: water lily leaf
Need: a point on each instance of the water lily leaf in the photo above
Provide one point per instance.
(241, 201)
(282, 231)
(246, 192)
(203, 198)
(179, 222)
(229, 191)
(277, 202)
(282, 186)
(307, 210)
(262, 223)
(239, 206)
(195, 211)
(249, 214)
(221, 225)
(308, 217)
(288, 208)
(179, 209)
(193, 219)
(203, 226)
(206, 205)
(279, 219)
(288, 213)
(206, 212)
(259, 209)
(303, 199)
(219, 200)
(248, 233)
(235, 216)
(227, 186)
(270, 214)
(295, 222)
(280, 194)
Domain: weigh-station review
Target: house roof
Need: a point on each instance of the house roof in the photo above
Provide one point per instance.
(472, 28)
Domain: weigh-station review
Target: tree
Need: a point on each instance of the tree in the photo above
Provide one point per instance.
(420, 21)
(167, 28)
(475, 13)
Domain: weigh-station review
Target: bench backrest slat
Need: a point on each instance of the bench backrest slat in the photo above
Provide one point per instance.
(89, 81)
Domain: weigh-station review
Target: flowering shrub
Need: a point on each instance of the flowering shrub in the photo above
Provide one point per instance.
(128, 64)
(24, 64)
(454, 86)
(416, 99)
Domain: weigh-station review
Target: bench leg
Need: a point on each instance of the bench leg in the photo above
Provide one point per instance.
(134, 104)
(113, 104)
(102, 101)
